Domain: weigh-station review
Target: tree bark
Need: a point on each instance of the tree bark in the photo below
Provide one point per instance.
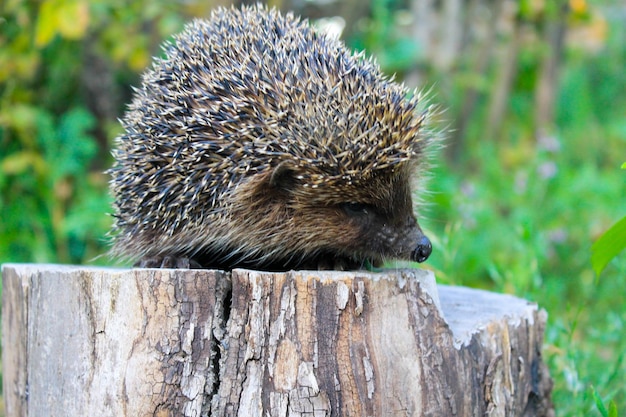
(153, 342)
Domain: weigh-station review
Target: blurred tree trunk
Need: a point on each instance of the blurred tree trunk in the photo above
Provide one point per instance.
(481, 47)
(101, 94)
(547, 84)
(472, 49)
(506, 67)
(352, 11)
(450, 34)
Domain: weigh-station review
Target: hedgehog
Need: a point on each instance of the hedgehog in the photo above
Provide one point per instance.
(257, 142)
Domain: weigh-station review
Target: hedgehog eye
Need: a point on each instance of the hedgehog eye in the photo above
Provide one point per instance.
(356, 209)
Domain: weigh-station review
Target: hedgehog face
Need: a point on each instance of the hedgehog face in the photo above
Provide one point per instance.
(384, 235)
(329, 226)
(371, 221)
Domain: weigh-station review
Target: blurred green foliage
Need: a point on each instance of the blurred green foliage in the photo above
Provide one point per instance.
(56, 56)
(517, 214)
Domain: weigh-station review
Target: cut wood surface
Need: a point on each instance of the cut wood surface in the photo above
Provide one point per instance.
(82, 341)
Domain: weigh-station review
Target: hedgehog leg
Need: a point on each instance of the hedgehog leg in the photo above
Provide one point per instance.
(152, 262)
(168, 261)
(334, 263)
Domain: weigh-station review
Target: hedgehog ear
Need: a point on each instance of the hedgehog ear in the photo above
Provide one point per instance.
(283, 176)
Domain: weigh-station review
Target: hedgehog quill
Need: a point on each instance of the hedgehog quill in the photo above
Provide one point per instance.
(258, 142)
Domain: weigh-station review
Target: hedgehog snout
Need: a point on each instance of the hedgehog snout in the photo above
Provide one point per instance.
(423, 249)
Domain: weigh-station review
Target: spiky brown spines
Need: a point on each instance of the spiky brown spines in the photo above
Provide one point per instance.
(249, 106)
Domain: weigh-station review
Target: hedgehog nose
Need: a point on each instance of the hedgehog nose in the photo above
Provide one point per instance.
(423, 249)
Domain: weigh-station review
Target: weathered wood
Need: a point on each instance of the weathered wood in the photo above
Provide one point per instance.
(148, 342)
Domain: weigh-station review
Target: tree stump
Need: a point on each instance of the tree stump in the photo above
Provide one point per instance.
(83, 341)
